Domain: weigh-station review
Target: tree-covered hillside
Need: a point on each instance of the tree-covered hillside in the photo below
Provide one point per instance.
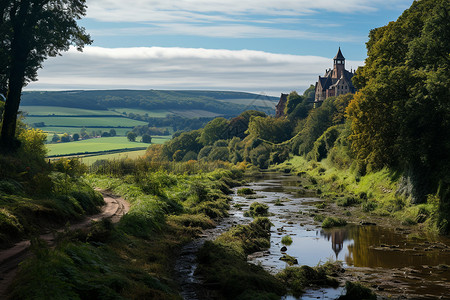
(214, 101)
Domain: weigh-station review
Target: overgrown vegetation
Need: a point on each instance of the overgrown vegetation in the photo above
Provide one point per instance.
(35, 194)
(223, 263)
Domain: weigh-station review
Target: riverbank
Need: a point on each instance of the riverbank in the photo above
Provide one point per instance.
(135, 259)
(377, 197)
(399, 238)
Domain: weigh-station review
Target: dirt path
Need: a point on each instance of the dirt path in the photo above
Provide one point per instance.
(114, 208)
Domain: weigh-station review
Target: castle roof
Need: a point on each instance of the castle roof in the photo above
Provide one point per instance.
(328, 81)
(339, 54)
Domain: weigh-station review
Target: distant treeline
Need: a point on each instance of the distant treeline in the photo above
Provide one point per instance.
(144, 99)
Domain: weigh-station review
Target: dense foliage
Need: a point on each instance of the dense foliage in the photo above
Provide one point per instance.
(31, 31)
(400, 117)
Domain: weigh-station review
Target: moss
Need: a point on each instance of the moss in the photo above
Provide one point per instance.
(298, 278)
(245, 191)
(290, 260)
(357, 291)
(286, 240)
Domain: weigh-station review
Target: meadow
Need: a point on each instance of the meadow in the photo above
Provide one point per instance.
(160, 113)
(85, 121)
(94, 145)
(71, 130)
(64, 111)
(89, 160)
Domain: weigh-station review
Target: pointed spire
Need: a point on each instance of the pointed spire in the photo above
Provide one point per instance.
(339, 54)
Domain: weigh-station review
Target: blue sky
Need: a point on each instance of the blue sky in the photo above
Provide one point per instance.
(262, 46)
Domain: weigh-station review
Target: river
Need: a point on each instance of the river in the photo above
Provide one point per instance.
(393, 262)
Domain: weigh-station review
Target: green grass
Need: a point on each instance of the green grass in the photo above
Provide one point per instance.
(71, 130)
(85, 121)
(89, 160)
(151, 113)
(93, 145)
(64, 111)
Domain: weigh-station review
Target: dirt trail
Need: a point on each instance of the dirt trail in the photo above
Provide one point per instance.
(114, 208)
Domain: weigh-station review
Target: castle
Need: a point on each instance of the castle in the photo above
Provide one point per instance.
(337, 81)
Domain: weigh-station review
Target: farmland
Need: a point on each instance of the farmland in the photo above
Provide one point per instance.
(85, 121)
(95, 113)
(89, 160)
(33, 110)
(71, 130)
(94, 145)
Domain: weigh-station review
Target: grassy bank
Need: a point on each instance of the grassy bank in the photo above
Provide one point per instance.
(133, 260)
(375, 194)
(31, 202)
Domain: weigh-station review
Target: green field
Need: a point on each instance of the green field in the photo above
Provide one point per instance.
(72, 130)
(187, 113)
(151, 113)
(89, 160)
(93, 145)
(64, 111)
(85, 121)
(99, 144)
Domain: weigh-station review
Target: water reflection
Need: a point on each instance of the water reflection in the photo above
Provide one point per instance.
(338, 237)
(373, 246)
(417, 265)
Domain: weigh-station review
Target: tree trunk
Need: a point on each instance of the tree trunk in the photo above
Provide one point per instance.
(8, 141)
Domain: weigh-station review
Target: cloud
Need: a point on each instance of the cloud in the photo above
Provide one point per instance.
(208, 10)
(181, 68)
(224, 31)
(231, 18)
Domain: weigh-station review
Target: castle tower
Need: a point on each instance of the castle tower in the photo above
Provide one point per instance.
(339, 64)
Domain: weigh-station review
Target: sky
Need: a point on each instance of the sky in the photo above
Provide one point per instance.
(262, 46)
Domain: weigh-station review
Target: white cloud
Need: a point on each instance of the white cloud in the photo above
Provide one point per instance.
(225, 31)
(207, 10)
(181, 68)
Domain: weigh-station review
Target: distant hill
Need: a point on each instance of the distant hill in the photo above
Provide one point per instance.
(221, 102)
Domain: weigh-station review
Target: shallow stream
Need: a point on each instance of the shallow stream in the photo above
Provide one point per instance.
(393, 262)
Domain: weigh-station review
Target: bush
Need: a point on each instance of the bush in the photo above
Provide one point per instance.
(333, 222)
(348, 201)
(257, 210)
(369, 206)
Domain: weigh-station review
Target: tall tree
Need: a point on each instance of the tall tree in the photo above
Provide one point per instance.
(400, 115)
(32, 31)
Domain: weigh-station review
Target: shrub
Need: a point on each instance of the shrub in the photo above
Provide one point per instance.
(257, 210)
(348, 201)
(333, 222)
(369, 206)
